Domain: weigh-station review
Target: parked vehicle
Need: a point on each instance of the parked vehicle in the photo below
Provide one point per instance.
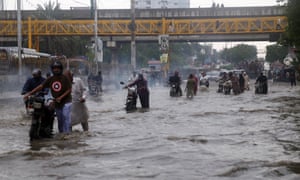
(213, 75)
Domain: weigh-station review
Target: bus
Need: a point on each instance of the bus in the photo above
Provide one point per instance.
(9, 61)
(9, 66)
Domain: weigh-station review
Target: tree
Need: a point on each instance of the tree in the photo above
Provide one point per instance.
(239, 53)
(291, 37)
(57, 45)
(48, 10)
(276, 52)
(293, 14)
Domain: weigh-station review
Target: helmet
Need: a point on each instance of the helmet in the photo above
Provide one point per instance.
(140, 76)
(57, 64)
(36, 72)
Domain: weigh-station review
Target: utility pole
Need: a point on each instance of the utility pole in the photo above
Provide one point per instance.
(96, 34)
(133, 43)
(19, 36)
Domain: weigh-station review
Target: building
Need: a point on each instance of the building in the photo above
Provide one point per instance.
(161, 4)
(1, 5)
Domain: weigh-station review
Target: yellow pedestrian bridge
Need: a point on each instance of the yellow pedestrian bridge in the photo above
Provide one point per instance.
(218, 27)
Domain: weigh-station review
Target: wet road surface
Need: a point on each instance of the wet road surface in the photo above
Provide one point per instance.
(211, 137)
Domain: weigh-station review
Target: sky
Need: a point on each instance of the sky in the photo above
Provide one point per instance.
(125, 4)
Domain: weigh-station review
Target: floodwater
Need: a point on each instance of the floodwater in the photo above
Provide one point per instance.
(211, 137)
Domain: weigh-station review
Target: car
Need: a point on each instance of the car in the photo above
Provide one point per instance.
(213, 75)
(238, 71)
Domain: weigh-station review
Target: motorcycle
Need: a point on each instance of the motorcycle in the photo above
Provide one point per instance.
(220, 87)
(227, 86)
(174, 90)
(261, 88)
(131, 98)
(42, 117)
(94, 88)
(203, 84)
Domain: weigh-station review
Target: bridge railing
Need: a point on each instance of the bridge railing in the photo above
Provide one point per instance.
(122, 27)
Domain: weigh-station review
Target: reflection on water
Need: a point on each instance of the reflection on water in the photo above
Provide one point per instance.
(210, 137)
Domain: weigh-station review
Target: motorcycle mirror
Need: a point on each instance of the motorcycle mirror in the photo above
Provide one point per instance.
(122, 83)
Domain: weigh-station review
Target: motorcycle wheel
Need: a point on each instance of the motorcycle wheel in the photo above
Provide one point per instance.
(34, 132)
(130, 106)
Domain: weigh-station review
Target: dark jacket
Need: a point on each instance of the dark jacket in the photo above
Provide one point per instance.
(32, 83)
(141, 85)
(175, 80)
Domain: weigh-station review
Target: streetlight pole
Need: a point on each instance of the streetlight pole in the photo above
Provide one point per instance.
(133, 43)
(19, 36)
(96, 34)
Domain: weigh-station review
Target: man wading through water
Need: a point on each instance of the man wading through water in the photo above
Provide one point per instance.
(60, 87)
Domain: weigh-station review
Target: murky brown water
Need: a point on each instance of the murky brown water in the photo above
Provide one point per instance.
(211, 137)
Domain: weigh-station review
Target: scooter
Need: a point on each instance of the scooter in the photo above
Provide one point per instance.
(204, 82)
(94, 88)
(42, 117)
(131, 98)
(227, 86)
(204, 85)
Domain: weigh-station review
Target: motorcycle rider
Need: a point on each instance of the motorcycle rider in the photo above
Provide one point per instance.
(32, 83)
(46, 126)
(262, 80)
(223, 78)
(176, 80)
(235, 82)
(142, 90)
(204, 80)
(60, 87)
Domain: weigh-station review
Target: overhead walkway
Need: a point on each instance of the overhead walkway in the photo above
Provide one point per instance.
(148, 27)
(194, 24)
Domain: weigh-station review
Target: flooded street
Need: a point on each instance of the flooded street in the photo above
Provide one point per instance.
(211, 137)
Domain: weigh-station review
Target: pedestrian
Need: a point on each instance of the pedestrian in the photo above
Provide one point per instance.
(247, 81)
(241, 82)
(292, 77)
(79, 110)
(196, 86)
(142, 90)
(99, 80)
(133, 77)
(190, 86)
(60, 87)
